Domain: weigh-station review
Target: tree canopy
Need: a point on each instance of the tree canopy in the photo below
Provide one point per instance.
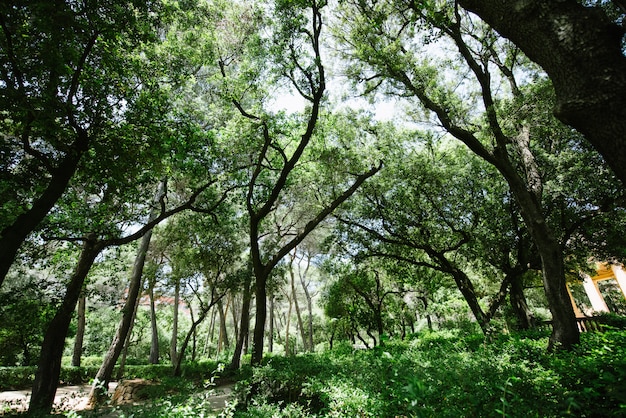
(241, 147)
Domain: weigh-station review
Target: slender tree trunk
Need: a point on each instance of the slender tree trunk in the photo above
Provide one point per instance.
(235, 316)
(80, 330)
(49, 366)
(212, 332)
(244, 323)
(294, 295)
(174, 340)
(127, 342)
(193, 336)
(271, 330)
(287, 327)
(223, 329)
(154, 330)
(309, 305)
(183, 347)
(565, 331)
(101, 381)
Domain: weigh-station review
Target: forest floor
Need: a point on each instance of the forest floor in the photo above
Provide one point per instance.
(74, 398)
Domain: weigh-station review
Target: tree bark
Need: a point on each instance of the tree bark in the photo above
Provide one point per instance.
(294, 295)
(309, 305)
(174, 339)
(127, 341)
(523, 314)
(244, 323)
(270, 347)
(49, 366)
(154, 330)
(101, 381)
(80, 330)
(223, 330)
(580, 49)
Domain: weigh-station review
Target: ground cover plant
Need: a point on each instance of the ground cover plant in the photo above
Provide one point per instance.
(445, 375)
(433, 374)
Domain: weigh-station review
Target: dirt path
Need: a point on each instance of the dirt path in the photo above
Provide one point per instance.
(74, 398)
(67, 398)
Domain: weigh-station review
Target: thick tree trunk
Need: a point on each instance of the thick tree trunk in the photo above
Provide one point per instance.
(244, 323)
(524, 316)
(581, 50)
(80, 330)
(260, 318)
(465, 286)
(49, 367)
(12, 237)
(101, 381)
(154, 330)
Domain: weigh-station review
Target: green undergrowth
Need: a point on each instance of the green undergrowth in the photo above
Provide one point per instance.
(437, 375)
(13, 378)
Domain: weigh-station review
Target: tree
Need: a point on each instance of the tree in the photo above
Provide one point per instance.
(64, 69)
(280, 144)
(206, 270)
(103, 375)
(581, 50)
(49, 365)
(429, 209)
(385, 42)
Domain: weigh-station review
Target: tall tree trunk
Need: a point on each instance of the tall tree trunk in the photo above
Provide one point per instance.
(260, 316)
(235, 316)
(103, 376)
(223, 330)
(80, 330)
(49, 366)
(309, 305)
(288, 326)
(174, 339)
(212, 330)
(127, 342)
(271, 330)
(154, 330)
(527, 193)
(294, 295)
(244, 323)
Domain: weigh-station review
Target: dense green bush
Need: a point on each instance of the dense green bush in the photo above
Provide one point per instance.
(444, 375)
(22, 377)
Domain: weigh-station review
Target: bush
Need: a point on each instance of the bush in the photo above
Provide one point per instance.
(444, 375)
